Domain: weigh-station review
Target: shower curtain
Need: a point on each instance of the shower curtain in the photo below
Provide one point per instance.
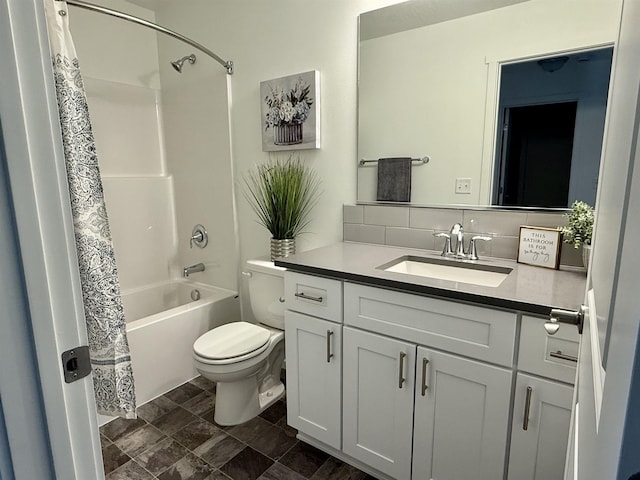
(109, 350)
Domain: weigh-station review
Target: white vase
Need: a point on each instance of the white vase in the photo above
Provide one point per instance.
(586, 254)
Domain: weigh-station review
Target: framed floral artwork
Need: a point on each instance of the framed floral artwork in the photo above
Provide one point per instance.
(291, 112)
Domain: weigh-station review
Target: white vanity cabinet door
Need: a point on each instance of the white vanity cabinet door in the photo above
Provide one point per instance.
(313, 351)
(538, 453)
(461, 421)
(378, 385)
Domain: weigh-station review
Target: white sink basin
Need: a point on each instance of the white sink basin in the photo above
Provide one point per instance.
(450, 270)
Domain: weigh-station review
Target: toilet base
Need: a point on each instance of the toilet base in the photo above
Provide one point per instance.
(230, 411)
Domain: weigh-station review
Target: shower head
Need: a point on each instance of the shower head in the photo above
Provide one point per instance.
(178, 63)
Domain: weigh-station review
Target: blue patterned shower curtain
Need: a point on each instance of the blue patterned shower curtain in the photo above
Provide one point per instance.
(110, 360)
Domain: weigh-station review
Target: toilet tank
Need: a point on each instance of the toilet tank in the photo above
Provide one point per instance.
(266, 292)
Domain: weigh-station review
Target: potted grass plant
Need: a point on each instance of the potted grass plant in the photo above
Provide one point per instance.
(579, 231)
(282, 193)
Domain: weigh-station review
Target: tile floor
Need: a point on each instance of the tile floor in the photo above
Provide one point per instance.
(175, 438)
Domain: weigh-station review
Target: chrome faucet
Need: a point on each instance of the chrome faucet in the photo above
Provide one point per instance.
(458, 232)
(198, 267)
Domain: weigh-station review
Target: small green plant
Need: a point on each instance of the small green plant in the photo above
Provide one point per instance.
(580, 228)
(282, 193)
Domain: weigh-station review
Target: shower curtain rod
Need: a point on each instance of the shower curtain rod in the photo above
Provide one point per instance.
(227, 64)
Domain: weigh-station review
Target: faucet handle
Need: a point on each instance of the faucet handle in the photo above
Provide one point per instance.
(199, 237)
(446, 249)
(472, 253)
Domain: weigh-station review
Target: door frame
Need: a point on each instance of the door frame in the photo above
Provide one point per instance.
(48, 263)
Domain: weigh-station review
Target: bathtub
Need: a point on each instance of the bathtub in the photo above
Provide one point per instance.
(163, 322)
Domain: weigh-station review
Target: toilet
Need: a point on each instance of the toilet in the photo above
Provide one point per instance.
(243, 358)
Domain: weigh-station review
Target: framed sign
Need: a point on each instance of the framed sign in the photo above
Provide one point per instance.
(540, 246)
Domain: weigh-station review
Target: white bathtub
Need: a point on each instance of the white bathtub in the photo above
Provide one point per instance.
(162, 324)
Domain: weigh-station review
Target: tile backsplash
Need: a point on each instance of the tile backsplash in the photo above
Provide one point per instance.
(413, 227)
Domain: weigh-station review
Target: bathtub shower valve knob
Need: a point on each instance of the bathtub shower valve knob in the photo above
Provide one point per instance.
(199, 237)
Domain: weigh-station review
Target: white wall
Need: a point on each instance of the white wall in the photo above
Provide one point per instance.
(119, 64)
(437, 81)
(164, 152)
(268, 40)
(196, 119)
(113, 49)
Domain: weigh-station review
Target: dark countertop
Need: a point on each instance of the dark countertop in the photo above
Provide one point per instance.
(527, 288)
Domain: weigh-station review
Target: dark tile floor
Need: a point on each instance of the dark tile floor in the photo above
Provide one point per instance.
(175, 438)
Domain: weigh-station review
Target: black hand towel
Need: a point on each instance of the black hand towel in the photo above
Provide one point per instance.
(394, 179)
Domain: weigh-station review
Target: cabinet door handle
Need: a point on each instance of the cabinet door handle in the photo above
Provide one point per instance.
(527, 409)
(425, 363)
(308, 297)
(329, 354)
(401, 370)
(563, 356)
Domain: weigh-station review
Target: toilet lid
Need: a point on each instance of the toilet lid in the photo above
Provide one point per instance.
(231, 340)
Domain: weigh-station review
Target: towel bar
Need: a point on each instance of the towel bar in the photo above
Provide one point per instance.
(414, 161)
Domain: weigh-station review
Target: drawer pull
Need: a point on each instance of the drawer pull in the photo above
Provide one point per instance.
(563, 356)
(425, 363)
(329, 354)
(401, 378)
(308, 297)
(527, 409)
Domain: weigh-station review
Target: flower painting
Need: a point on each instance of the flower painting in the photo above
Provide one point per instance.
(290, 112)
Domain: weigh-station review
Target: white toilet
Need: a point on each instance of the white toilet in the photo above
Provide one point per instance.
(245, 359)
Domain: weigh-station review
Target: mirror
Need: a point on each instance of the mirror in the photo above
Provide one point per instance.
(437, 78)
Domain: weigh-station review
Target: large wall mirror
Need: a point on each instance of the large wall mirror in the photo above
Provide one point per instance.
(505, 98)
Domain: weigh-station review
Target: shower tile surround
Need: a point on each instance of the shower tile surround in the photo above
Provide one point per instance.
(413, 227)
(175, 438)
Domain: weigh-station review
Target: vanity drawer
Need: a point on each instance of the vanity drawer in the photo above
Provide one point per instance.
(317, 296)
(477, 332)
(552, 356)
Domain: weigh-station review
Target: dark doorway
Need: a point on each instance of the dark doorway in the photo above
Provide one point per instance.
(537, 147)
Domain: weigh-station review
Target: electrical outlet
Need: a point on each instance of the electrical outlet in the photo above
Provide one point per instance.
(463, 185)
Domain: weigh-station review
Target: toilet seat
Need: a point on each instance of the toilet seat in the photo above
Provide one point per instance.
(231, 343)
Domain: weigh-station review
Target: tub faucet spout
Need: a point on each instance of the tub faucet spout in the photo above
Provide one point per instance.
(198, 267)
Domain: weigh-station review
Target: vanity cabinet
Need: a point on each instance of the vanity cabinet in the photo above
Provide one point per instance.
(409, 387)
(454, 411)
(542, 406)
(378, 393)
(461, 418)
(314, 364)
(540, 431)
(313, 348)
(460, 406)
